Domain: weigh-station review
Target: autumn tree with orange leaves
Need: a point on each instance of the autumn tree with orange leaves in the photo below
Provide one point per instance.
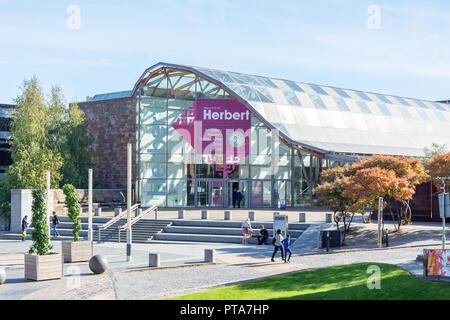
(362, 183)
(439, 166)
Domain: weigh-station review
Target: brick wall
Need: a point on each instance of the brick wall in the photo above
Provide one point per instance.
(112, 124)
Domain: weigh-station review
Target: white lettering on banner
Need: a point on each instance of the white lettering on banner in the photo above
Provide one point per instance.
(225, 115)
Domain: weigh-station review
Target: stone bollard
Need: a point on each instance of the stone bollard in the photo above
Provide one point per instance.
(181, 214)
(205, 214)
(153, 260)
(117, 211)
(251, 215)
(2, 276)
(328, 218)
(302, 217)
(228, 215)
(210, 255)
(98, 212)
(138, 212)
(98, 264)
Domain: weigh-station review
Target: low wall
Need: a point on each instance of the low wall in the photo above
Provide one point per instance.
(22, 200)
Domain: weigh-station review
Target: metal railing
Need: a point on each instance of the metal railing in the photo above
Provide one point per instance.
(139, 217)
(114, 220)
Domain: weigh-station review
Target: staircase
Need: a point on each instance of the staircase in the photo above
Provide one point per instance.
(142, 231)
(218, 231)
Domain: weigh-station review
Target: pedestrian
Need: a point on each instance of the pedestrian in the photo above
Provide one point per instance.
(55, 222)
(24, 227)
(278, 244)
(263, 235)
(238, 198)
(287, 248)
(246, 231)
(233, 198)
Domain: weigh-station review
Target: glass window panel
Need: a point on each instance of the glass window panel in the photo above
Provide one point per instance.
(293, 86)
(153, 139)
(342, 93)
(291, 98)
(264, 94)
(341, 104)
(421, 104)
(362, 95)
(266, 82)
(223, 76)
(178, 192)
(153, 192)
(403, 102)
(438, 106)
(153, 110)
(422, 114)
(405, 113)
(384, 110)
(318, 89)
(383, 98)
(153, 170)
(318, 103)
(440, 116)
(363, 107)
(260, 172)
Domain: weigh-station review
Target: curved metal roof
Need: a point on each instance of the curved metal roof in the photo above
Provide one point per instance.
(331, 120)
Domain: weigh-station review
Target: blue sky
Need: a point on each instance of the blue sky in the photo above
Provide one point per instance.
(323, 41)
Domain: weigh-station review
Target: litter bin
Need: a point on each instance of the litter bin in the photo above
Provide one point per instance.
(336, 237)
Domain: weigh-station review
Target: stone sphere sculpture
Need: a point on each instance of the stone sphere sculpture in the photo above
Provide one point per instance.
(2, 276)
(98, 264)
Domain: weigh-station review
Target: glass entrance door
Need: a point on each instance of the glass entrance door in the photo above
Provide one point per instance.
(237, 194)
(261, 193)
(282, 192)
(209, 193)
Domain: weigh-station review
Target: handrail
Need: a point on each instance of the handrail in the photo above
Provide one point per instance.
(142, 215)
(115, 219)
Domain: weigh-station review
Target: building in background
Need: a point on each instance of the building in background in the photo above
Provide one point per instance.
(6, 113)
(200, 135)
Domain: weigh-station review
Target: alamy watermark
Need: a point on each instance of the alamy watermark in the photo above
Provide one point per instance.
(73, 20)
(374, 280)
(373, 21)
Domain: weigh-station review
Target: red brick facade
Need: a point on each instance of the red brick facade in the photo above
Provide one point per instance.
(112, 124)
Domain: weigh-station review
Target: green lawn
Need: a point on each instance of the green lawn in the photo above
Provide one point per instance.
(343, 282)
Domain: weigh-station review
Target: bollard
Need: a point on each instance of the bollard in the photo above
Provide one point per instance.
(302, 217)
(138, 212)
(210, 255)
(117, 211)
(328, 242)
(98, 212)
(181, 214)
(328, 217)
(81, 210)
(251, 215)
(205, 214)
(228, 215)
(153, 260)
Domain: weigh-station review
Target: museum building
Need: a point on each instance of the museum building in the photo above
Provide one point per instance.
(201, 135)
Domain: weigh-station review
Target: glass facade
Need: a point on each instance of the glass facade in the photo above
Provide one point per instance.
(173, 174)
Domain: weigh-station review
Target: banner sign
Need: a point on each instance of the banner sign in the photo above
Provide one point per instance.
(437, 262)
(218, 130)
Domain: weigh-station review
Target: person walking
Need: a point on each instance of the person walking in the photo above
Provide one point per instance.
(263, 235)
(238, 198)
(278, 244)
(287, 248)
(55, 222)
(24, 227)
(233, 198)
(246, 231)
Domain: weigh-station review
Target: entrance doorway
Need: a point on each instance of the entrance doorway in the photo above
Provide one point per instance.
(237, 189)
(209, 193)
(262, 193)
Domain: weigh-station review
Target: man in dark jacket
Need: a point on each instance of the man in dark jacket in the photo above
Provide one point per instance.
(263, 235)
(238, 198)
(55, 222)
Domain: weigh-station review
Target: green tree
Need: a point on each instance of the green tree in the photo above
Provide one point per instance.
(73, 209)
(41, 242)
(78, 149)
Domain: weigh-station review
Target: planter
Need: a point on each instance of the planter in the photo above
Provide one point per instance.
(77, 251)
(44, 267)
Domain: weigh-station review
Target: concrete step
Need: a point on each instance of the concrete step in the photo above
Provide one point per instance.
(203, 238)
(221, 231)
(233, 224)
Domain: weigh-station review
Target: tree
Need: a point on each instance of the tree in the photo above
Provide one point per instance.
(73, 209)
(439, 166)
(78, 149)
(41, 242)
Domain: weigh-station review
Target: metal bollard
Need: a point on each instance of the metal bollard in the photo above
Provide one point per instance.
(228, 215)
(138, 212)
(98, 212)
(210, 255)
(205, 214)
(302, 217)
(181, 214)
(153, 260)
(328, 242)
(117, 211)
(251, 215)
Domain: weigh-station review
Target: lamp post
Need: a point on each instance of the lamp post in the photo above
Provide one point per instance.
(129, 235)
(444, 208)
(90, 230)
(380, 218)
(48, 203)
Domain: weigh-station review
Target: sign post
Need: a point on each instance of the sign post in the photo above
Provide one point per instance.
(444, 203)
(90, 230)
(280, 221)
(380, 218)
